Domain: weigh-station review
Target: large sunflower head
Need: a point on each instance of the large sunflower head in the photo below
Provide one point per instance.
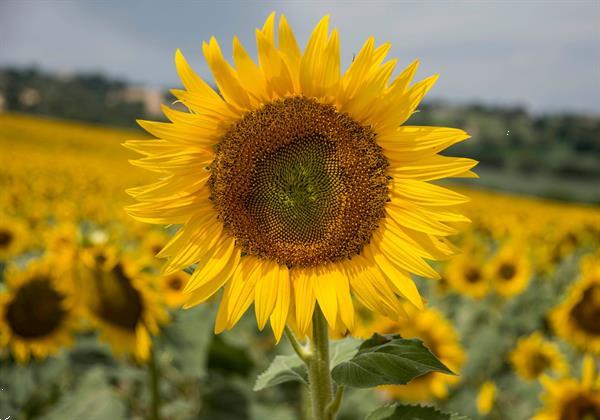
(572, 398)
(38, 315)
(534, 356)
(297, 183)
(576, 319)
(122, 305)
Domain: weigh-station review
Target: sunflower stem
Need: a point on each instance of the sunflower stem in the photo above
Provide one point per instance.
(319, 377)
(154, 386)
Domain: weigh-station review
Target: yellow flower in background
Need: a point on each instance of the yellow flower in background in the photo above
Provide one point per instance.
(171, 288)
(122, 305)
(534, 355)
(13, 237)
(62, 243)
(509, 270)
(465, 275)
(486, 398)
(153, 242)
(577, 318)
(99, 257)
(440, 337)
(570, 398)
(38, 312)
(297, 184)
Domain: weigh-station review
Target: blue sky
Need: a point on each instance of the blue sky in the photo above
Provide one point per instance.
(541, 54)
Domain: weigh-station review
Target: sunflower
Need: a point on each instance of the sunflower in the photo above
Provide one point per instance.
(465, 275)
(509, 271)
(486, 398)
(13, 237)
(296, 185)
(171, 288)
(38, 314)
(439, 336)
(569, 398)
(62, 244)
(153, 241)
(534, 356)
(121, 304)
(576, 319)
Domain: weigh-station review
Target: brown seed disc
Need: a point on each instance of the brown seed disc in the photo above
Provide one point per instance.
(115, 299)
(300, 183)
(36, 310)
(586, 312)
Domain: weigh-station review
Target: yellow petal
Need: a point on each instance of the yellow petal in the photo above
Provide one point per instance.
(424, 193)
(410, 216)
(290, 51)
(282, 305)
(588, 372)
(410, 143)
(434, 167)
(199, 246)
(266, 293)
(225, 77)
(402, 253)
(357, 71)
(221, 320)
(303, 280)
(279, 80)
(310, 63)
(404, 284)
(370, 287)
(342, 288)
(192, 82)
(326, 295)
(243, 283)
(251, 77)
(403, 80)
(213, 270)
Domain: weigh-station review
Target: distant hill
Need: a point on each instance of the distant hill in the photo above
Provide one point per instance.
(84, 97)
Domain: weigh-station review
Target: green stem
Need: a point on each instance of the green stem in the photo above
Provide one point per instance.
(154, 386)
(334, 406)
(319, 377)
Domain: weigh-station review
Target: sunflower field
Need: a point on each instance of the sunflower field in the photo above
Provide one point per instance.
(89, 327)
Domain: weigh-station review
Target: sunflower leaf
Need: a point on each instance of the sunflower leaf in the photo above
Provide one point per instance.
(188, 339)
(282, 369)
(387, 360)
(93, 399)
(341, 351)
(412, 412)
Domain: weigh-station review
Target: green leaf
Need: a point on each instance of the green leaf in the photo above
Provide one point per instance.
(292, 369)
(282, 369)
(343, 350)
(385, 360)
(412, 412)
(93, 399)
(188, 339)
